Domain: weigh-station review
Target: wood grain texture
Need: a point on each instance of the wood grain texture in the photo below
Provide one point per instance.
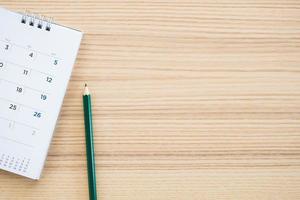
(192, 100)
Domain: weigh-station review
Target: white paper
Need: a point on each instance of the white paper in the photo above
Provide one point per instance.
(35, 68)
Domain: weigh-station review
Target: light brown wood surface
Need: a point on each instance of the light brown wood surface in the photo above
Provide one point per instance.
(192, 99)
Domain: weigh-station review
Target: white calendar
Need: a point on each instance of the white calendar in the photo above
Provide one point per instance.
(36, 61)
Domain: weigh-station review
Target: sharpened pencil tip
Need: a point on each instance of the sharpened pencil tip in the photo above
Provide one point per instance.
(86, 90)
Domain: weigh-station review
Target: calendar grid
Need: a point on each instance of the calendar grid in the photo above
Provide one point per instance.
(25, 67)
(35, 68)
(25, 86)
(21, 123)
(51, 55)
(18, 142)
(22, 105)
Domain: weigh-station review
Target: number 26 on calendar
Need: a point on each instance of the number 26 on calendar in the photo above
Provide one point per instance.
(37, 114)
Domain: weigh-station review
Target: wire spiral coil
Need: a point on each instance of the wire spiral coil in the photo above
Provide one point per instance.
(38, 21)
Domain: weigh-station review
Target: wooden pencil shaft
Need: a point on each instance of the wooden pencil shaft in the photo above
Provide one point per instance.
(90, 147)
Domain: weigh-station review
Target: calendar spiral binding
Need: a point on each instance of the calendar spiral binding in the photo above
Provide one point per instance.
(40, 21)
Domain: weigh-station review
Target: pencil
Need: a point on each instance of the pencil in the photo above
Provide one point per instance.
(89, 140)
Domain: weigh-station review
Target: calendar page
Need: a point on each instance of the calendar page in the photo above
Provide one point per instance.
(36, 61)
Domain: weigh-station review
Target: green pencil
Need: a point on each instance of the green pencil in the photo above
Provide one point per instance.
(89, 140)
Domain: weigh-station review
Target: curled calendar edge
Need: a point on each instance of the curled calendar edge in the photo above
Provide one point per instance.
(37, 20)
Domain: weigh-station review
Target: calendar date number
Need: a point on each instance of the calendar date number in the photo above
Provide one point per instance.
(44, 97)
(19, 89)
(13, 106)
(37, 114)
(49, 79)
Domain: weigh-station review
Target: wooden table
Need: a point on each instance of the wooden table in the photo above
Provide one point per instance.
(193, 100)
